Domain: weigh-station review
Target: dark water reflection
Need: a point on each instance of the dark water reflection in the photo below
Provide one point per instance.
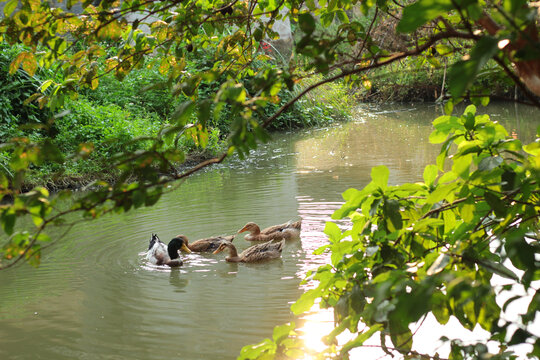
(94, 297)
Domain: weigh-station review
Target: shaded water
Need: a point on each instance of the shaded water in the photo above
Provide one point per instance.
(94, 296)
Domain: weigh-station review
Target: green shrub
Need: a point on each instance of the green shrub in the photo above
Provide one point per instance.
(142, 91)
(14, 91)
(109, 128)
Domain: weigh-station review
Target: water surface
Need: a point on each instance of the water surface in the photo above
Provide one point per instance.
(94, 296)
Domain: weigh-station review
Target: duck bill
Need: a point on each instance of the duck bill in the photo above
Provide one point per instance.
(185, 249)
(217, 251)
(242, 230)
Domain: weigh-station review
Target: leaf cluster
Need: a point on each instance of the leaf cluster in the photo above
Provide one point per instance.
(434, 247)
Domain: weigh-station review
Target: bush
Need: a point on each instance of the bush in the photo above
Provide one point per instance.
(109, 128)
(142, 91)
(14, 91)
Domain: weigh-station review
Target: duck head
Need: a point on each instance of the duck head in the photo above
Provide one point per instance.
(177, 244)
(224, 245)
(251, 227)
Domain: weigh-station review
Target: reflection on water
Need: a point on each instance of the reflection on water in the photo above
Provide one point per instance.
(95, 297)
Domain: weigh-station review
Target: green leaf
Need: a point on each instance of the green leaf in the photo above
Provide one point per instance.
(532, 148)
(441, 192)
(258, 34)
(138, 198)
(520, 336)
(263, 350)
(182, 113)
(45, 85)
(10, 7)
(8, 221)
(449, 221)
(341, 249)
(327, 18)
(470, 110)
(42, 237)
(391, 212)
(333, 231)
(379, 176)
(306, 23)
(402, 340)
(305, 302)
(361, 338)
(496, 204)
(463, 72)
(444, 125)
(51, 152)
(38, 220)
(205, 112)
(282, 331)
(498, 268)
(461, 165)
(449, 107)
(438, 136)
(422, 11)
(489, 163)
(342, 16)
(439, 307)
(430, 174)
(311, 5)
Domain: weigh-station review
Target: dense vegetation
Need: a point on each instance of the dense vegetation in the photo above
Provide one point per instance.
(111, 118)
(413, 250)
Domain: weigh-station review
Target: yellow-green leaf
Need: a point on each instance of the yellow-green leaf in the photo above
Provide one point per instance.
(10, 7)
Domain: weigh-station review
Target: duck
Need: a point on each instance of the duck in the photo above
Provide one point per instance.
(287, 231)
(161, 254)
(204, 245)
(256, 253)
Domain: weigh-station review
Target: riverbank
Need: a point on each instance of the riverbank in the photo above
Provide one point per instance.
(404, 82)
(110, 129)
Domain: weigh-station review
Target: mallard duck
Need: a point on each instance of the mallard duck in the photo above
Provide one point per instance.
(285, 231)
(260, 252)
(161, 254)
(205, 245)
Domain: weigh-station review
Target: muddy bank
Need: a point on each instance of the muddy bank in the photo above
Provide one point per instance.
(58, 182)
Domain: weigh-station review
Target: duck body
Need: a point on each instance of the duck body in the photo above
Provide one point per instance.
(287, 231)
(161, 254)
(256, 253)
(205, 245)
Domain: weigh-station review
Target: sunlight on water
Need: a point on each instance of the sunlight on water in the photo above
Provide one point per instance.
(317, 323)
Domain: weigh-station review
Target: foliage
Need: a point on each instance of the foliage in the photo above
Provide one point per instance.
(434, 247)
(464, 218)
(15, 89)
(109, 129)
(141, 92)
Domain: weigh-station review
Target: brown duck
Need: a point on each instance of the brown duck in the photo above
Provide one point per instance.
(256, 253)
(287, 231)
(204, 245)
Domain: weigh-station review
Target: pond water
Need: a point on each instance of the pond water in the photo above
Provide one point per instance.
(94, 297)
